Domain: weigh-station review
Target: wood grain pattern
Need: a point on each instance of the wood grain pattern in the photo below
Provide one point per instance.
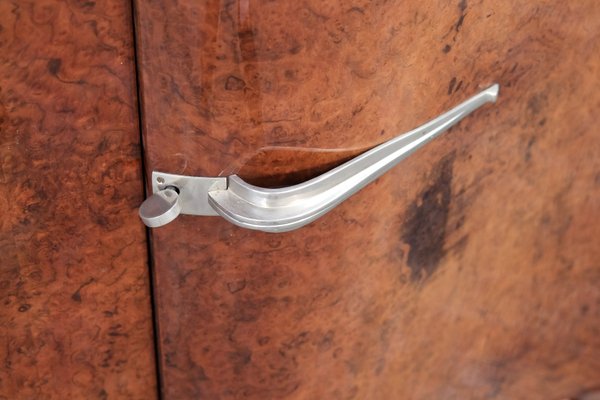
(75, 318)
(471, 271)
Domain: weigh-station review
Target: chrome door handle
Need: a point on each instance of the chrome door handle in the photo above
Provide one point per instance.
(289, 208)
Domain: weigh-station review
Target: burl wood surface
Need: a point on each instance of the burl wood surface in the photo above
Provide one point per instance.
(471, 271)
(75, 317)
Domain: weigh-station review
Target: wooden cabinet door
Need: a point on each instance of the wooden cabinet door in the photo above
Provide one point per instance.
(75, 313)
(470, 271)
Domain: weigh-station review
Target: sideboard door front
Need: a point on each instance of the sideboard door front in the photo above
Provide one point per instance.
(469, 271)
(75, 313)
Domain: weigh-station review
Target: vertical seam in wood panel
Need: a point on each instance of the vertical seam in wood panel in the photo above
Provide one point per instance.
(155, 331)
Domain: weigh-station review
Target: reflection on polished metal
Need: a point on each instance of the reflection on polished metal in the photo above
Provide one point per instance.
(160, 208)
(286, 209)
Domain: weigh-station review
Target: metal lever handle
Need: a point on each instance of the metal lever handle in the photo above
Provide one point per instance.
(286, 209)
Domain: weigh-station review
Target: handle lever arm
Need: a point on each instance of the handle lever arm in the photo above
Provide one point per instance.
(289, 208)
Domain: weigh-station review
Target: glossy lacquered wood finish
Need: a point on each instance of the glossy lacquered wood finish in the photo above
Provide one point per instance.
(75, 318)
(468, 272)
